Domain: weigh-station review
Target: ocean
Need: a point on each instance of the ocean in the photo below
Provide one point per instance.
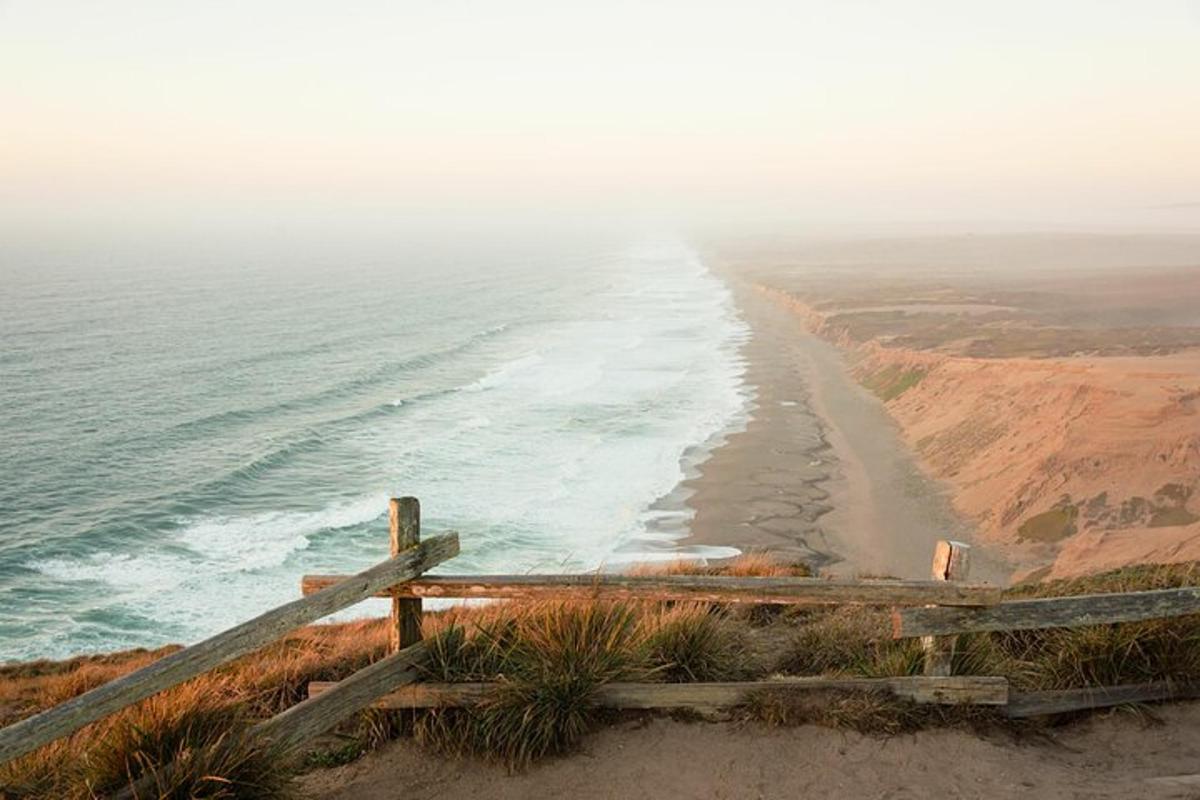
(181, 440)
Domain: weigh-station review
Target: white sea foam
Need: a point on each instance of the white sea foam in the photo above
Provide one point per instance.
(591, 421)
(120, 571)
(221, 544)
(260, 541)
(551, 456)
(238, 559)
(700, 553)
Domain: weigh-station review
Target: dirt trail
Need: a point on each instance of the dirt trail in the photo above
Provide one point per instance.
(1119, 756)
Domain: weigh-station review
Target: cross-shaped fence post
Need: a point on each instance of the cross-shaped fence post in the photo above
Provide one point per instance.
(404, 525)
(951, 562)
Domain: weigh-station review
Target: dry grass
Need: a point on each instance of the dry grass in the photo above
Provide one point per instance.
(548, 663)
(692, 642)
(547, 660)
(862, 711)
(27, 688)
(856, 641)
(277, 676)
(201, 725)
(847, 640)
(749, 565)
(193, 742)
(1096, 655)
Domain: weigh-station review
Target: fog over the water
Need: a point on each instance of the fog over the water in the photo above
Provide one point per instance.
(304, 119)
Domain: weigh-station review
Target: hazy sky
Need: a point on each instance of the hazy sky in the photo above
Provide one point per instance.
(129, 114)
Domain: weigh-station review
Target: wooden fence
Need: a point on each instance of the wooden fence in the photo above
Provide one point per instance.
(937, 610)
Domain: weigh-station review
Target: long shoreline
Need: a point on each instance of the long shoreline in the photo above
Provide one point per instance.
(820, 472)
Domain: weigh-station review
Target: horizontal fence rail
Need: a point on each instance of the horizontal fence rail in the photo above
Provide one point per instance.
(348, 696)
(951, 690)
(1059, 701)
(1048, 612)
(62, 720)
(710, 588)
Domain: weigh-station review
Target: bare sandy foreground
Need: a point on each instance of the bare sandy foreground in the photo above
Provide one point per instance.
(1125, 755)
(821, 471)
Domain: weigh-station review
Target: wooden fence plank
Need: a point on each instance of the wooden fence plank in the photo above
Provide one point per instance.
(712, 588)
(1050, 612)
(944, 690)
(61, 720)
(1032, 704)
(340, 700)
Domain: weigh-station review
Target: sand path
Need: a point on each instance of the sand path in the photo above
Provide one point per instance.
(1119, 756)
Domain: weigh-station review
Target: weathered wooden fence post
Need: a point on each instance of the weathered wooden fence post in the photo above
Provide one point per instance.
(951, 562)
(404, 524)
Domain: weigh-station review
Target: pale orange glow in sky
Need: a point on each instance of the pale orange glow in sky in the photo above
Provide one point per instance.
(700, 111)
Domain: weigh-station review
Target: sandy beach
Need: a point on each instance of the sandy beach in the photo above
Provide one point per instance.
(820, 472)
(1034, 395)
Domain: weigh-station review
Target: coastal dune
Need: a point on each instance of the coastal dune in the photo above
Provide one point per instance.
(1056, 407)
(820, 473)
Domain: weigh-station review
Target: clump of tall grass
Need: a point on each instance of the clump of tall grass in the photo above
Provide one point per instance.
(185, 746)
(45, 774)
(691, 642)
(856, 641)
(1094, 655)
(851, 640)
(189, 744)
(548, 662)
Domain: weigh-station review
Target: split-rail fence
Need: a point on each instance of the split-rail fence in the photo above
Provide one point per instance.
(937, 610)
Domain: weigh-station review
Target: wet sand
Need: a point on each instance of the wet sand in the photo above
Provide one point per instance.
(820, 472)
